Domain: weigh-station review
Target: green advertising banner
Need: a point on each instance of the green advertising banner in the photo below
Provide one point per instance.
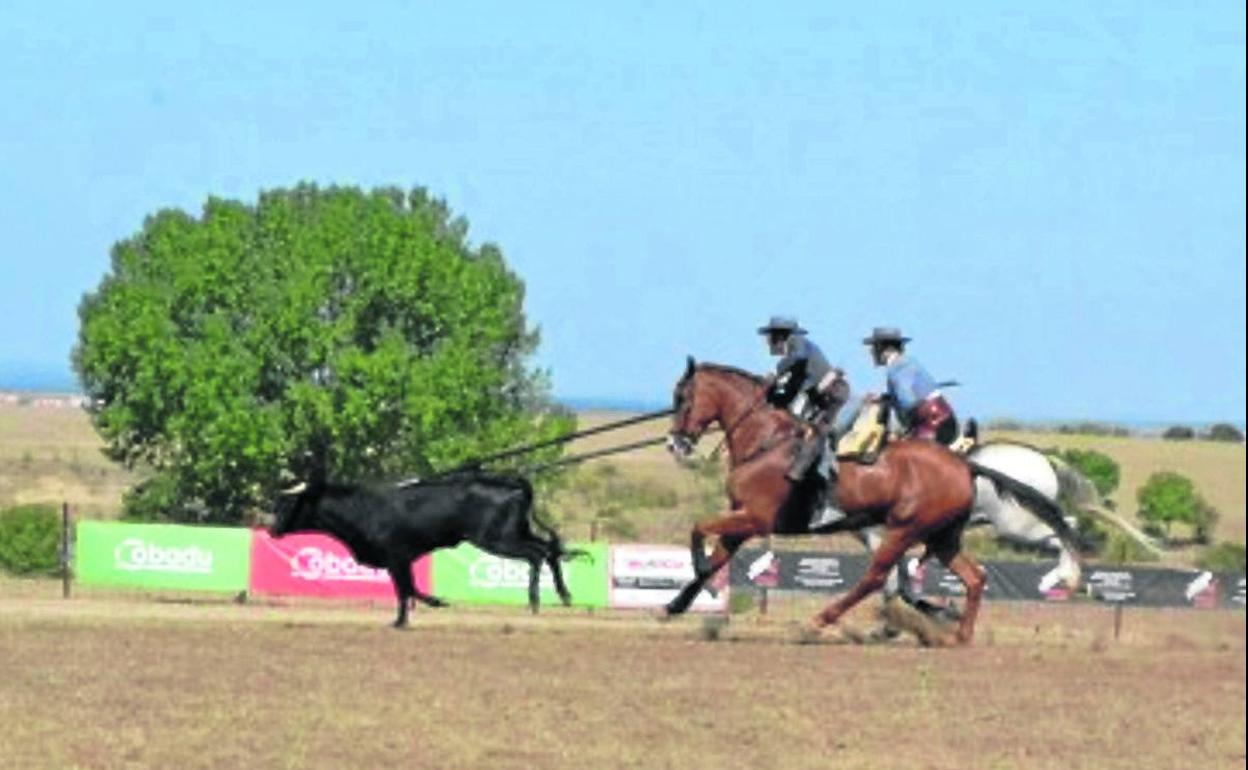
(468, 574)
(163, 556)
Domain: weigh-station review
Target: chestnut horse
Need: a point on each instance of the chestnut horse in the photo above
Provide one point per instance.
(919, 491)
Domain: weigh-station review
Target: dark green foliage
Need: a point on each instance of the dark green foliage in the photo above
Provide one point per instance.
(333, 330)
(1223, 557)
(30, 538)
(1179, 433)
(1169, 498)
(1098, 467)
(1224, 431)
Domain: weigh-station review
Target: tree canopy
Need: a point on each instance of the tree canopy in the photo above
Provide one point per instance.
(1168, 498)
(358, 334)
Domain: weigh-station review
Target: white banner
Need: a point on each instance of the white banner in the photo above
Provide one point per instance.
(648, 576)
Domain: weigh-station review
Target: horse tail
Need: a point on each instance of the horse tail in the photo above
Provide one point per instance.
(1047, 510)
(1078, 489)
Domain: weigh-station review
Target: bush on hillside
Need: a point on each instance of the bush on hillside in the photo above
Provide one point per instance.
(1224, 431)
(1092, 429)
(1169, 498)
(30, 537)
(1179, 433)
(1005, 424)
(1101, 469)
(1223, 557)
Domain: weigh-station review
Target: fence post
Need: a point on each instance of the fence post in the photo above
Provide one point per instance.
(65, 555)
(762, 598)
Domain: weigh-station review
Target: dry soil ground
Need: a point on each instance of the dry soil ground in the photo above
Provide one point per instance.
(113, 681)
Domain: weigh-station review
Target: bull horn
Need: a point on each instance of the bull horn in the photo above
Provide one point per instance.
(296, 489)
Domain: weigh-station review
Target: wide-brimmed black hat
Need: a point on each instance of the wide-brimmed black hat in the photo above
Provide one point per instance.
(779, 323)
(883, 334)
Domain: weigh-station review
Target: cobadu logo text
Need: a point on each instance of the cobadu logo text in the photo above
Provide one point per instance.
(137, 555)
(492, 572)
(312, 563)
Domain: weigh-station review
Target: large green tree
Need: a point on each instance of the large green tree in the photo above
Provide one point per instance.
(353, 333)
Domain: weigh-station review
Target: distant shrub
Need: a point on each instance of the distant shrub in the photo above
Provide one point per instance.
(1223, 557)
(1098, 467)
(30, 537)
(1005, 424)
(1179, 433)
(1224, 431)
(1092, 429)
(1168, 498)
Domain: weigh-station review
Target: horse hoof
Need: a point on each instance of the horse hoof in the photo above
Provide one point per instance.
(809, 634)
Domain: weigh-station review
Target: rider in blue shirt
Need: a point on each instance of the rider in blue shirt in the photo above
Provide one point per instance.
(921, 407)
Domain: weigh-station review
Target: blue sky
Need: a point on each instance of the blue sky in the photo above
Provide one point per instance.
(1049, 196)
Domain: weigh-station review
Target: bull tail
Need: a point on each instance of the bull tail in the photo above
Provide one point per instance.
(1047, 510)
(571, 554)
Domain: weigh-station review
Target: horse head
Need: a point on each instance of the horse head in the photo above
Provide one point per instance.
(706, 394)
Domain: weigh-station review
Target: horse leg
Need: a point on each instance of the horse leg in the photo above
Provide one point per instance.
(890, 551)
(721, 555)
(1068, 563)
(973, 577)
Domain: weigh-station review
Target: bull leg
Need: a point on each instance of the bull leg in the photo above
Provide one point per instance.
(724, 549)
(556, 572)
(404, 589)
(429, 600)
(890, 551)
(532, 551)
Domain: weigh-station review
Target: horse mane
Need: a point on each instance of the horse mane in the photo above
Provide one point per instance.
(726, 369)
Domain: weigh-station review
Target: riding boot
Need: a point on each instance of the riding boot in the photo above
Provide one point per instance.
(826, 512)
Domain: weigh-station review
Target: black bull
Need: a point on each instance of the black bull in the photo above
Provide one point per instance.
(389, 527)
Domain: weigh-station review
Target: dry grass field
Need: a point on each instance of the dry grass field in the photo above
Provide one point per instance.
(53, 455)
(111, 681)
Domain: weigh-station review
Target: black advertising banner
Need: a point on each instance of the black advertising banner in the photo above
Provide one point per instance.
(797, 570)
(1010, 581)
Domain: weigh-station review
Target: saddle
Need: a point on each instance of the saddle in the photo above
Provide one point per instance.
(866, 438)
(869, 435)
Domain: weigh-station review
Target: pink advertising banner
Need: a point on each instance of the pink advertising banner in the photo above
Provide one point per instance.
(318, 565)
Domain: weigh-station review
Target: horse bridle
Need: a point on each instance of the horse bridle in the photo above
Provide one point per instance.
(686, 440)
